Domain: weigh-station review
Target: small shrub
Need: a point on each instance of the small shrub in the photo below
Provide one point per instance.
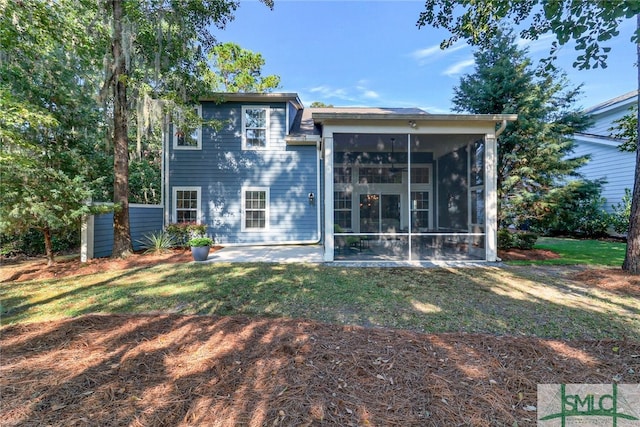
(518, 240)
(182, 232)
(200, 241)
(505, 239)
(524, 240)
(157, 243)
(621, 213)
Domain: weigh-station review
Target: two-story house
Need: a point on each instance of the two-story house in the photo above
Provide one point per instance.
(370, 184)
(607, 162)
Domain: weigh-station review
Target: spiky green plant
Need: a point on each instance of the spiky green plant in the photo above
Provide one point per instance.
(157, 243)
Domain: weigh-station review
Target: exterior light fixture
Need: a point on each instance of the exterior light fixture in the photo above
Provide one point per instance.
(413, 124)
(312, 198)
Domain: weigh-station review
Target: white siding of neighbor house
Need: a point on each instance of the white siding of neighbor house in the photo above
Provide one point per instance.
(608, 163)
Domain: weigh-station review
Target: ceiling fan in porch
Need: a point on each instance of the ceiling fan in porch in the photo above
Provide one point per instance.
(394, 169)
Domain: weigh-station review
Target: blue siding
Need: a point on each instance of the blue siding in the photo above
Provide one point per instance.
(103, 235)
(142, 220)
(222, 168)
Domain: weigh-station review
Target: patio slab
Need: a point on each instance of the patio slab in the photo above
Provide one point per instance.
(275, 254)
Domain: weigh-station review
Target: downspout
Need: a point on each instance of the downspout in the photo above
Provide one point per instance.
(319, 195)
(502, 127)
(165, 169)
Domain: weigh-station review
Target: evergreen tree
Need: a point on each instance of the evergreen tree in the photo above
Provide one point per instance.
(534, 153)
(239, 70)
(49, 124)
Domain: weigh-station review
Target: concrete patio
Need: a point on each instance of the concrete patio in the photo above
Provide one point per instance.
(278, 254)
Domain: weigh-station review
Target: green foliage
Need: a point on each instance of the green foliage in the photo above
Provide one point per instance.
(575, 209)
(626, 129)
(238, 70)
(621, 213)
(534, 153)
(200, 241)
(31, 243)
(588, 23)
(318, 104)
(182, 232)
(157, 243)
(517, 239)
(505, 241)
(145, 179)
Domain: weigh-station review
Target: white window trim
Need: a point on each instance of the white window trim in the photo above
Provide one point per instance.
(174, 137)
(244, 210)
(198, 190)
(244, 127)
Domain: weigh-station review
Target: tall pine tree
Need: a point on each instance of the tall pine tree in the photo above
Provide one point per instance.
(534, 153)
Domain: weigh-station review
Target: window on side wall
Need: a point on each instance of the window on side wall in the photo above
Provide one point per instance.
(186, 204)
(255, 128)
(187, 135)
(255, 208)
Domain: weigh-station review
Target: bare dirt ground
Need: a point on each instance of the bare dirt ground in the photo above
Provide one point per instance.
(161, 370)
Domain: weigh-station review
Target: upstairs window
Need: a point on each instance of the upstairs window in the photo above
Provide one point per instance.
(187, 134)
(255, 128)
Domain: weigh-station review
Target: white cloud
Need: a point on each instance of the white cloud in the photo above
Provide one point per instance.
(371, 94)
(433, 52)
(329, 92)
(458, 67)
(542, 44)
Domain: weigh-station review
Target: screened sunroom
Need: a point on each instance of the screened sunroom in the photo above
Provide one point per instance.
(423, 195)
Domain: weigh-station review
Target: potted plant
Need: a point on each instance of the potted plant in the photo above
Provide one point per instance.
(200, 247)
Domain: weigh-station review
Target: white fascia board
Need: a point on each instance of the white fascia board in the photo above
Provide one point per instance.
(590, 139)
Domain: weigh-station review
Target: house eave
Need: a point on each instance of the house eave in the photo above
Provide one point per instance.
(328, 117)
(254, 97)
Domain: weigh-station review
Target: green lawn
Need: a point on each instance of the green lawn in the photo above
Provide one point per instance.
(575, 251)
(516, 300)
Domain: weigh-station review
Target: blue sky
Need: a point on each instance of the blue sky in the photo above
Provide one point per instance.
(370, 53)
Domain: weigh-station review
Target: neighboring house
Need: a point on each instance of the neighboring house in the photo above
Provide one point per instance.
(607, 162)
(370, 184)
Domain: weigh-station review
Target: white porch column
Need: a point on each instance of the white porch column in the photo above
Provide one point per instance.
(86, 233)
(491, 201)
(328, 199)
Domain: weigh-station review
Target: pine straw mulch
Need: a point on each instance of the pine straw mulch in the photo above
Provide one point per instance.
(161, 370)
(23, 269)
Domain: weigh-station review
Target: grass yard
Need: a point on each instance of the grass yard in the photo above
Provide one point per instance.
(513, 300)
(183, 344)
(577, 251)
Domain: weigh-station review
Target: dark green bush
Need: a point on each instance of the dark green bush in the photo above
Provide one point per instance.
(621, 213)
(518, 239)
(505, 240)
(575, 210)
(31, 242)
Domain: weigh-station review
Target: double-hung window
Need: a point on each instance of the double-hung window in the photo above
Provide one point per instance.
(255, 127)
(186, 204)
(255, 212)
(187, 132)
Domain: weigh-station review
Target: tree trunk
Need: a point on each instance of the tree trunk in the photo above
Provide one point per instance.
(48, 247)
(121, 231)
(632, 258)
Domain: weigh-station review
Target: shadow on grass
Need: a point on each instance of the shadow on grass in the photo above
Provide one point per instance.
(511, 301)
